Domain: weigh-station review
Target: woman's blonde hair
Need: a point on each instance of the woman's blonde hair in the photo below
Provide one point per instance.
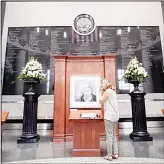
(107, 83)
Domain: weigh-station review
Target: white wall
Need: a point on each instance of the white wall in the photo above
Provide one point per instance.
(22, 14)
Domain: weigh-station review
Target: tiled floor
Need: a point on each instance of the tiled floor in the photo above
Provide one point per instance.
(91, 160)
(45, 149)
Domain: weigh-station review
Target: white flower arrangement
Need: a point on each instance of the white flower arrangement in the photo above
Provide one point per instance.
(135, 72)
(33, 70)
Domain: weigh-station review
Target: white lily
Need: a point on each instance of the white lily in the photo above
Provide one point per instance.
(135, 69)
(33, 69)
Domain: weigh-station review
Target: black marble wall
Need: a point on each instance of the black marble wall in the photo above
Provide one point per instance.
(45, 42)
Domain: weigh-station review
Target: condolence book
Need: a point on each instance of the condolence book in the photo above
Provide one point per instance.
(88, 115)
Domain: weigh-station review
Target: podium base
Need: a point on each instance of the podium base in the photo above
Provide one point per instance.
(28, 140)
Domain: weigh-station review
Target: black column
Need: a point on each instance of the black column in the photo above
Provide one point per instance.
(139, 118)
(29, 131)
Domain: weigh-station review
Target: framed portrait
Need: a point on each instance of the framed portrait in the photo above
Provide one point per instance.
(84, 91)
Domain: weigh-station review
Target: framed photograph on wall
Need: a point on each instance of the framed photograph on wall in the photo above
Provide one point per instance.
(84, 91)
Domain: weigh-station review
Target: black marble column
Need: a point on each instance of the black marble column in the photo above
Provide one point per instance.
(29, 131)
(139, 118)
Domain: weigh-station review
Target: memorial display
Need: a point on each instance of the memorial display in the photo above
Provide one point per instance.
(84, 91)
(46, 42)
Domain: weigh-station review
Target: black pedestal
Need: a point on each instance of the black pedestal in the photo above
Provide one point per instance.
(29, 131)
(23, 140)
(139, 118)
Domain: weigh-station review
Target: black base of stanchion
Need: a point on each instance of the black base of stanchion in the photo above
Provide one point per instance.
(28, 140)
(140, 132)
(137, 137)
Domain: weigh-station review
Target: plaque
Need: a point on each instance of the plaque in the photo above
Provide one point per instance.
(109, 43)
(152, 58)
(46, 42)
(60, 40)
(130, 44)
(85, 45)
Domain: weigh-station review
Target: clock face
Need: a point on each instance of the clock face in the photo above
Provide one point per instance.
(84, 24)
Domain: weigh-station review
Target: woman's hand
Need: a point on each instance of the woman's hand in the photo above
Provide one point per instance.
(101, 89)
(103, 95)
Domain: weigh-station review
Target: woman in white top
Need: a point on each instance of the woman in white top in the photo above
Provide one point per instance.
(108, 98)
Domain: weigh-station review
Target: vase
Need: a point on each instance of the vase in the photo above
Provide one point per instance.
(136, 85)
(31, 83)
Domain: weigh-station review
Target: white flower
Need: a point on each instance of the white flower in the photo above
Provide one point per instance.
(136, 66)
(140, 71)
(33, 69)
(127, 71)
(29, 73)
(135, 70)
(145, 74)
(24, 71)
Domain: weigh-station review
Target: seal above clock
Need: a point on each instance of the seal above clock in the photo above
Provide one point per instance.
(84, 24)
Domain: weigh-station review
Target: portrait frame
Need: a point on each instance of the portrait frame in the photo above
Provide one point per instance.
(82, 86)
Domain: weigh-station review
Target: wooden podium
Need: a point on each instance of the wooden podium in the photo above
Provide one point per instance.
(65, 66)
(86, 139)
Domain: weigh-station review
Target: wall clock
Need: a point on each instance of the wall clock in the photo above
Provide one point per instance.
(84, 24)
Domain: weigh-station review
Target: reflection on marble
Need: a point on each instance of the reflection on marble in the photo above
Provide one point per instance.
(92, 160)
(45, 149)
